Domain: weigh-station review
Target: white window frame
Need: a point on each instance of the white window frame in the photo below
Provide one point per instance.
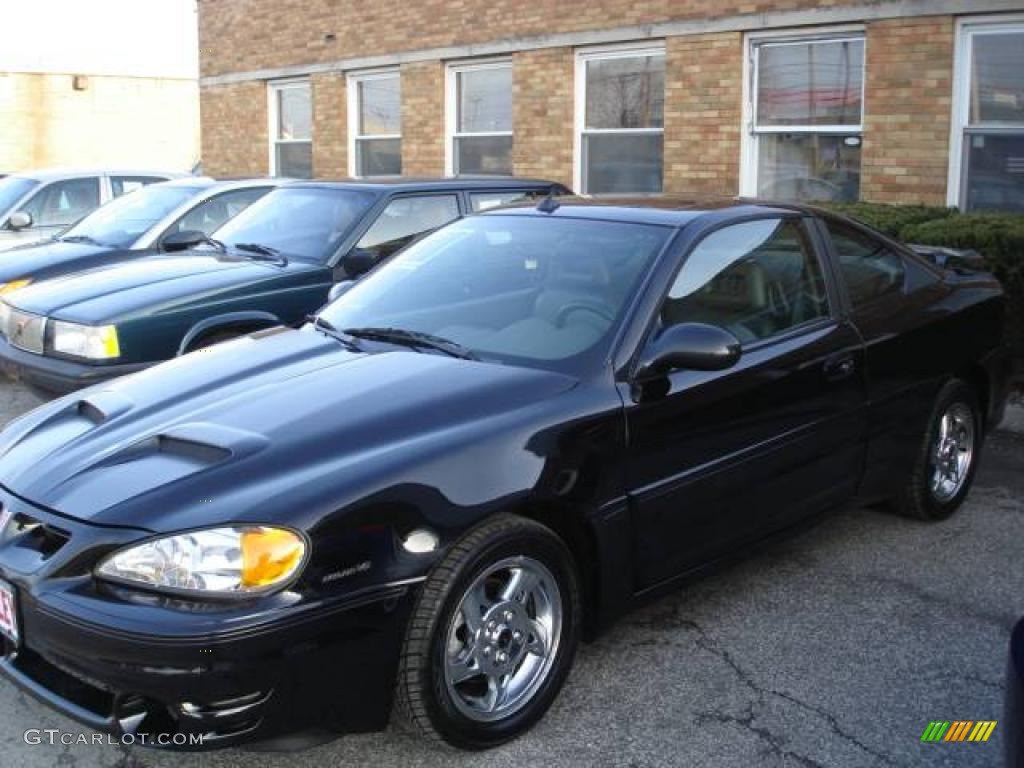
(966, 29)
(274, 87)
(451, 108)
(749, 131)
(352, 81)
(584, 55)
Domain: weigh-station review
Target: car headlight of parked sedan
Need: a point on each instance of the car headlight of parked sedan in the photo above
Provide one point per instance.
(238, 561)
(91, 342)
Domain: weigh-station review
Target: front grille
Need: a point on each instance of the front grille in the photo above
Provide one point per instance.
(24, 330)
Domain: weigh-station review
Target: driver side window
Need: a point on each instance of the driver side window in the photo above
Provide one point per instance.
(756, 280)
(63, 202)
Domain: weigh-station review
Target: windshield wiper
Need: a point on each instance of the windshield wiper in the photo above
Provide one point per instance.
(328, 328)
(81, 239)
(414, 339)
(265, 251)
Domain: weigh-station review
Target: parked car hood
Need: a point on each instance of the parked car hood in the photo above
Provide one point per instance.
(267, 428)
(52, 257)
(107, 294)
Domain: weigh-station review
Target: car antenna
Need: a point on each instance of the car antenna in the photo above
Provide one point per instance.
(548, 204)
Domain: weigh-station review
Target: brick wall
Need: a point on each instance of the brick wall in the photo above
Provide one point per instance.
(542, 114)
(907, 110)
(423, 119)
(241, 35)
(909, 93)
(703, 111)
(235, 129)
(330, 126)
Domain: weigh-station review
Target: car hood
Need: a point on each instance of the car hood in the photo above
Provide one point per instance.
(249, 429)
(10, 240)
(109, 293)
(40, 259)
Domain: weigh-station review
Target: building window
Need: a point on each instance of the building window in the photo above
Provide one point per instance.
(375, 124)
(806, 107)
(479, 119)
(291, 130)
(620, 108)
(989, 119)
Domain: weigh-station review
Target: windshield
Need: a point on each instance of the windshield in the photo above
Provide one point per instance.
(121, 222)
(519, 289)
(12, 189)
(307, 223)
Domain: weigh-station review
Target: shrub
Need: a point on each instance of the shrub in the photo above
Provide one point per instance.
(891, 219)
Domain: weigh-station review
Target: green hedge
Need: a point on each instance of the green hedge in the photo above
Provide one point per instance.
(891, 219)
(999, 237)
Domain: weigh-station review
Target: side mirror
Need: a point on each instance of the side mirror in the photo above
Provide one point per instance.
(358, 262)
(20, 220)
(182, 241)
(693, 346)
(339, 289)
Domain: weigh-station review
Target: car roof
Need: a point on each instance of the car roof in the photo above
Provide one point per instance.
(55, 174)
(214, 185)
(664, 210)
(405, 184)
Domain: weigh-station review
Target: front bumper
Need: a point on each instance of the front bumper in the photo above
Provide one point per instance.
(167, 671)
(55, 375)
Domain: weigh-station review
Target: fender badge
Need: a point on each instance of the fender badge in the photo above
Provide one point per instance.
(345, 573)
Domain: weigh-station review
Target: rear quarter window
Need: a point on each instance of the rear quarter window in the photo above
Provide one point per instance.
(870, 268)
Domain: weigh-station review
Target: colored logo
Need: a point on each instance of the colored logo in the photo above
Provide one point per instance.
(958, 730)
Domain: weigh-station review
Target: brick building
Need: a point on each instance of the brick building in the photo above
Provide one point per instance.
(887, 100)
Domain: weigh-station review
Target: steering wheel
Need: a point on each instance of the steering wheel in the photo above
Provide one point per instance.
(582, 306)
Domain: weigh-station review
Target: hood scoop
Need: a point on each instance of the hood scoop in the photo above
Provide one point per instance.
(129, 470)
(103, 406)
(40, 430)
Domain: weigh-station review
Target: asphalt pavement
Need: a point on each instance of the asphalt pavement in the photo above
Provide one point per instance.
(834, 648)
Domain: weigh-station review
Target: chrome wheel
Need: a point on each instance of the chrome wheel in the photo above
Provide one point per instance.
(952, 452)
(503, 639)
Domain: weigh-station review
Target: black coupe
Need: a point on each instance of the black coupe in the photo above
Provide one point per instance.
(494, 442)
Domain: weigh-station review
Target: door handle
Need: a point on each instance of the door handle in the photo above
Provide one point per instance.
(840, 368)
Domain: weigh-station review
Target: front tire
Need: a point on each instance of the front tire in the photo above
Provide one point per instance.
(493, 636)
(948, 459)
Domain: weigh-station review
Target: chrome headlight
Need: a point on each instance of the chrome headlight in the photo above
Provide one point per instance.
(222, 562)
(15, 285)
(92, 342)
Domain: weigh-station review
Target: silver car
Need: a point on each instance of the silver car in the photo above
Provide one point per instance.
(135, 225)
(35, 205)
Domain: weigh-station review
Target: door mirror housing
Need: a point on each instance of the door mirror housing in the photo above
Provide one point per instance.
(339, 289)
(20, 220)
(182, 241)
(358, 262)
(690, 346)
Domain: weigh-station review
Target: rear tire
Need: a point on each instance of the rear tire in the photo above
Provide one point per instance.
(948, 458)
(492, 638)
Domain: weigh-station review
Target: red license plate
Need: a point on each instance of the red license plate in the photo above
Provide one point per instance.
(8, 614)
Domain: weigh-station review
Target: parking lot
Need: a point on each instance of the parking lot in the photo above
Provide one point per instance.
(835, 648)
